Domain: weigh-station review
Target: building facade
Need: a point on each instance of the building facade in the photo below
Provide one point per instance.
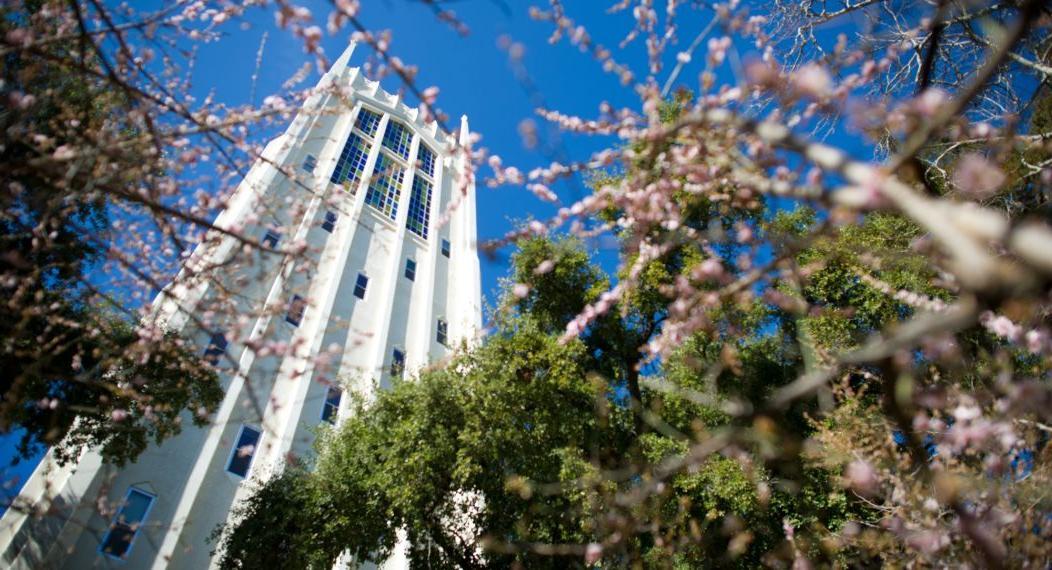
(384, 206)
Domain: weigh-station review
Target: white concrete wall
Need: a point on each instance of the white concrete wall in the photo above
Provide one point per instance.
(282, 395)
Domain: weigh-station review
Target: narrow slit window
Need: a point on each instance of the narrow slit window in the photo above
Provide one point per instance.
(271, 238)
(126, 524)
(350, 166)
(297, 306)
(331, 408)
(419, 207)
(367, 122)
(442, 333)
(397, 138)
(397, 363)
(330, 221)
(410, 269)
(309, 162)
(445, 247)
(244, 450)
(360, 286)
(216, 348)
(386, 186)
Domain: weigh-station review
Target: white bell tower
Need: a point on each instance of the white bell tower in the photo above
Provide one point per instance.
(389, 282)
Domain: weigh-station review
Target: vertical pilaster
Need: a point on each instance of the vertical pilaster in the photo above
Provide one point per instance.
(393, 263)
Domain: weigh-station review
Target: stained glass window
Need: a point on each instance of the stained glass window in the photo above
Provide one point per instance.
(385, 187)
(351, 164)
(397, 138)
(426, 157)
(419, 207)
(367, 122)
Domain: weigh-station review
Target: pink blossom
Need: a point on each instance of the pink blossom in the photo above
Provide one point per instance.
(593, 553)
(709, 268)
(744, 234)
(930, 101)
(528, 132)
(348, 7)
(20, 100)
(966, 412)
(544, 267)
(813, 80)
(19, 37)
(520, 290)
(64, 152)
(718, 49)
(976, 176)
(1037, 340)
(928, 541)
(862, 477)
(1001, 326)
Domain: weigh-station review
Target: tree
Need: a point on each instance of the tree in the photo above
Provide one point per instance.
(510, 446)
(80, 374)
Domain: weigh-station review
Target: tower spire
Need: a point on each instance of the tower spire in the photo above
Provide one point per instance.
(341, 62)
(465, 134)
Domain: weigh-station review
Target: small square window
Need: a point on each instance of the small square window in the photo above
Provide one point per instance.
(309, 163)
(126, 524)
(360, 286)
(332, 404)
(410, 269)
(216, 348)
(330, 221)
(244, 450)
(442, 334)
(297, 306)
(271, 239)
(445, 247)
(397, 363)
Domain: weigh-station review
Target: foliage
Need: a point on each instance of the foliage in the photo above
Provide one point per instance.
(84, 396)
(78, 373)
(479, 450)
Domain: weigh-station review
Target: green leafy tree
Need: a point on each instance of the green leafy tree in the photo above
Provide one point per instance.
(503, 456)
